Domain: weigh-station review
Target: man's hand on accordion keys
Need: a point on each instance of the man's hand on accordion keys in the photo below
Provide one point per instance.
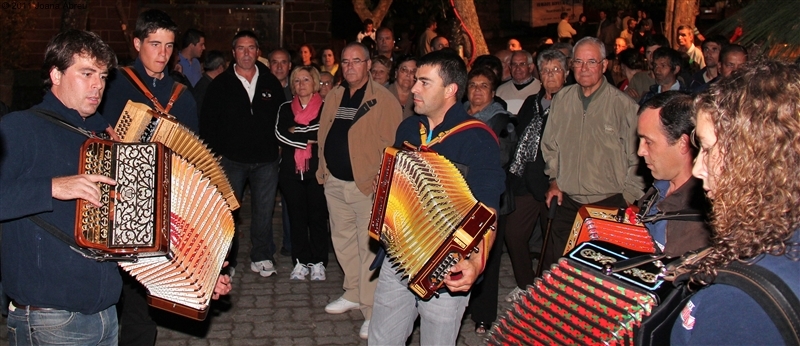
(81, 186)
(463, 275)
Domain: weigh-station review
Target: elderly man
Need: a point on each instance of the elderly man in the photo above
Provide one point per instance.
(666, 66)
(522, 83)
(441, 82)
(591, 125)
(357, 123)
(240, 127)
(686, 42)
(280, 64)
(439, 43)
(664, 127)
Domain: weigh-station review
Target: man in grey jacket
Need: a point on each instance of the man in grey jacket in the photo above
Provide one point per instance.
(589, 145)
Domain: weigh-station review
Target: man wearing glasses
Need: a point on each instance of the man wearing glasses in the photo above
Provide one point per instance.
(589, 145)
(357, 123)
(522, 83)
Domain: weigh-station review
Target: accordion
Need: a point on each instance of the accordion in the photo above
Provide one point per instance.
(426, 217)
(575, 303)
(139, 123)
(609, 225)
(164, 216)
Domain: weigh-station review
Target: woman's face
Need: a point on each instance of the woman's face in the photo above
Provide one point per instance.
(553, 76)
(303, 83)
(327, 57)
(709, 159)
(479, 92)
(380, 73)
(305, 54)
(404, 77)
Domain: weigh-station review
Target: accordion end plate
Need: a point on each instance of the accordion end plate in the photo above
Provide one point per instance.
(176, 308)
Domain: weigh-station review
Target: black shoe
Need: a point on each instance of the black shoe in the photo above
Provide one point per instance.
(285, 252)
(480, 328)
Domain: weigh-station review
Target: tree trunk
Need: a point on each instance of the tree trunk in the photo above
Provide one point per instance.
(465, 9)
(680, 12)
(376, 15)
(75, 16)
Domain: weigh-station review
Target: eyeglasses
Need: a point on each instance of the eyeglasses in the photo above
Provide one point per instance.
(693, 139)
(523, 64)
(325, 83)
(588, 63)
(405, 70)
(354, 62)
(552, 71)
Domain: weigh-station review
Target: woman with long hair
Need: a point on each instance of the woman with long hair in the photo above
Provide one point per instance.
(296, 130)
(748, 128)
(305, 56)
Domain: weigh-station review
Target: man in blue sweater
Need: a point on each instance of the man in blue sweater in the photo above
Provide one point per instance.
(56, 294)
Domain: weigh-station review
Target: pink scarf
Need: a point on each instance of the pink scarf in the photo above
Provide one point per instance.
(303, 116)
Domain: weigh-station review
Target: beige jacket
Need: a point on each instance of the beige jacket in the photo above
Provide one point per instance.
(592, 155)
(373, 129)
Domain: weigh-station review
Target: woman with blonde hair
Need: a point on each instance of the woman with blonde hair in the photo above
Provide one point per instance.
(748, 129)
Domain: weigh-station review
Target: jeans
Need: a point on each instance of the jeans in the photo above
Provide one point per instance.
(263, 179)
(59, 327)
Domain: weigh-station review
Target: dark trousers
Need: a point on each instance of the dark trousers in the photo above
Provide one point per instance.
(136, 327)
(308, 215)
(263, 179)
(483, 300)
(562, 225)
(521, 226)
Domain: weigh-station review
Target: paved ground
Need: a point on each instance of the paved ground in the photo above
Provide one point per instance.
(277, 311)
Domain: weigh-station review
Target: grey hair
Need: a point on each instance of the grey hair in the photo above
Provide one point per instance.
(528, 55)
(591, 40)
(562, 45)
(549, 55)
(356, 44)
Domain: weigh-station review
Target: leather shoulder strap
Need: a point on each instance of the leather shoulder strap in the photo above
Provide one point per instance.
(133, 77)
(463, 126)
(770, 292)
(177, 90)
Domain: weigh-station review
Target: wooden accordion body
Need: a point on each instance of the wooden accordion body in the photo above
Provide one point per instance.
(163, 213)
(574, 303)
(609, 225)
(426, 217)
(139, 123)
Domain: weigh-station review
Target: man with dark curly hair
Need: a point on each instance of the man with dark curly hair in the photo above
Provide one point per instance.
(748, 127)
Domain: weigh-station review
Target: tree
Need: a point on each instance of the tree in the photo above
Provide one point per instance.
(363, 11)
(465, 11)
(679, 12)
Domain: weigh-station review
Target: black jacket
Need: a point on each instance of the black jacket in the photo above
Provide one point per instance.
(236, 128)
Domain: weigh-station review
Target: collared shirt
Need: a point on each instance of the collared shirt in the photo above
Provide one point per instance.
(249, 86)
(658, 229)
(191, 69)
(675, 87)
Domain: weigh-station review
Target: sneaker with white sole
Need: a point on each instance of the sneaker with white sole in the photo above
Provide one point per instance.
(364, 332)
(340, 306)
(264, 268)
(299, 272)
(515, 294)
(317, 271)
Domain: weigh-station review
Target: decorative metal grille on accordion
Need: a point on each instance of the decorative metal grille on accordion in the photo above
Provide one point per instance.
(139, 123)
(426, 217)
(163, 213)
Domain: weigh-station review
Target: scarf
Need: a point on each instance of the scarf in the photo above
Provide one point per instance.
(303, 116)
(529, 142)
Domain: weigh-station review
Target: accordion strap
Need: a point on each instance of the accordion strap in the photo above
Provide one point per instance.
(136, 80)
(464, 125)
(87, 253)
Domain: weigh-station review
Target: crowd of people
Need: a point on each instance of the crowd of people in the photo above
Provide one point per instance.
(611, 117)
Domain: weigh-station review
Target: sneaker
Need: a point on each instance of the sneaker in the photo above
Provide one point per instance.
(317, 271)
(515, 294)
(299, 272)
(340, 306)
(264, 268)
(364, 332)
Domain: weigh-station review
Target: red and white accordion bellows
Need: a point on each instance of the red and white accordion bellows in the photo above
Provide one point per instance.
(426, 217)
(164, 214)
(609, 225)
(574, 303)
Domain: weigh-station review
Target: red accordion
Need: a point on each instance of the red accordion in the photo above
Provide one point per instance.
(609, 225)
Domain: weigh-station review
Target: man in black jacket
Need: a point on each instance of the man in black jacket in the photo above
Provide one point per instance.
(240, 126)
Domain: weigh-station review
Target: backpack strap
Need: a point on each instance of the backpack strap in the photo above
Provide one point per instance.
(770, 292)
(133, 77)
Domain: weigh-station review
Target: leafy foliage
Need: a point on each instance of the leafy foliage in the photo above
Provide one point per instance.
(769, 27)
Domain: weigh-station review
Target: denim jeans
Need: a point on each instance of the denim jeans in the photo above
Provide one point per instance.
(263, 179)
(59, 327)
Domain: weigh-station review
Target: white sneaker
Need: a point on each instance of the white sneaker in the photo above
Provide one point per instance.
(317, 271)
(340, 306)
(264, 268)
(299, 272)
(364, 332)
(515, 294)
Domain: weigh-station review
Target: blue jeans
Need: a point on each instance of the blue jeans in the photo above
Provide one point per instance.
(59, 327)
(263, 179)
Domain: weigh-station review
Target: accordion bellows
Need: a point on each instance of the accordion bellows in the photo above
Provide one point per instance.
(139, 123)
(606, 224)
(426, 216)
